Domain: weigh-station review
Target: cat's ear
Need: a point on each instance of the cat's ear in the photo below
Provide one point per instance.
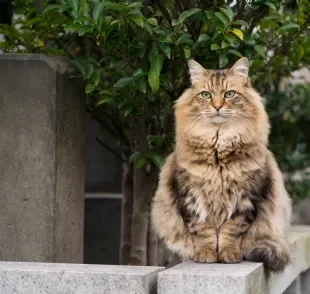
(241, 67)
(196, 71)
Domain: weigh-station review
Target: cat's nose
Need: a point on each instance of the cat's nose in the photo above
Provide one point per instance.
(218, 107)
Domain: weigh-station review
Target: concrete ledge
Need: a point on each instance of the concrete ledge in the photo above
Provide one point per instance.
(243, 278)
(53, 278)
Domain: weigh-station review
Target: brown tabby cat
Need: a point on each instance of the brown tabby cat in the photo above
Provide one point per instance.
(221, 196)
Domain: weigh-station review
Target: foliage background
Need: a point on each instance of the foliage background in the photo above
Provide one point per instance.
(133, 57)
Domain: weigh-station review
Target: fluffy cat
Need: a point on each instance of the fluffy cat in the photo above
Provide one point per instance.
(221, 196)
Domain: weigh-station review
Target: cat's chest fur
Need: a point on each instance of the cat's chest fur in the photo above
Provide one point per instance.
(215, 180)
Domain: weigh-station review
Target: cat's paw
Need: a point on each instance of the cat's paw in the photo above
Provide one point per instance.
(274, 256)
(230, 255)
(205, 256)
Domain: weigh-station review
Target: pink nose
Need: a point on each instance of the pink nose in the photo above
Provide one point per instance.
(218, 107)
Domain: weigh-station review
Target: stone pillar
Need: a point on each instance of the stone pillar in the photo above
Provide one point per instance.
(42, 160)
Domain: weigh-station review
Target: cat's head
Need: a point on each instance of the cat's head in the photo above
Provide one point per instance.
(221, 99)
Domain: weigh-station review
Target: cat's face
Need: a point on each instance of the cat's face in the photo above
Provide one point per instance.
(220, 96)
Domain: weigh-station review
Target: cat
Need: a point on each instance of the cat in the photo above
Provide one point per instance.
(221, 195)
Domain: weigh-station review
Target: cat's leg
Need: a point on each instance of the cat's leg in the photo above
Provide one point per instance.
(230, 238)
(262, 243)
(205, 242)
(167, 219)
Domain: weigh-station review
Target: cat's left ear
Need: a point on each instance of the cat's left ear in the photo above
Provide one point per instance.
(241, 67)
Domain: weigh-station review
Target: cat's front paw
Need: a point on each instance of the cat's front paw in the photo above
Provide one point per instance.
(230, 255)
(205, 256)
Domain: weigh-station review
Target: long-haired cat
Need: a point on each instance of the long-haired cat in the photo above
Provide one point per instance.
(221, 196)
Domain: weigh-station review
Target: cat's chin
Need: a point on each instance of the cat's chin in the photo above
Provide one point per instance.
(218, 119)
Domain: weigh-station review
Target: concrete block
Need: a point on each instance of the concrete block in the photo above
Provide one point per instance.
(243, 278)
(42, 160)
(42, 278)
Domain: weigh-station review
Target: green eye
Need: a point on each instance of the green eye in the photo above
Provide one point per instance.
(229, 94)
(206, 95)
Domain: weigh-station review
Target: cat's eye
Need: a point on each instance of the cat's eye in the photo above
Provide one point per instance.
(229, 94)
(206, 95)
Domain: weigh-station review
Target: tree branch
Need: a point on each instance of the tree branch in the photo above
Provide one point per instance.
(110, 149)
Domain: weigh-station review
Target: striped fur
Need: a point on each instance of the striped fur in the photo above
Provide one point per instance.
(221, 196)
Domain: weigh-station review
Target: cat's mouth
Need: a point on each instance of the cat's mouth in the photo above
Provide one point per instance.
(219, 117)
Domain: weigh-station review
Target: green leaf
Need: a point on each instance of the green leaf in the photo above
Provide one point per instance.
(141, 163)
(72, 28)
(185, 38)
(157, 159)
(234, 52)
(272, 5)
(187, 52)
(230, 38)
(89, 70)
(134, 156)
(136, 5)
(222, 18)
(141, 83)
(152, 21)
(116, 21)
(215, 47)
(157, 63)
(228, 13)
(79, 66)
(75, 4)
(128, 111)
(123, 82)
(97, 11)
(51, 7)
(158, 13)
(261, 50)
(165, 39)
(139, 73)
(148, 27)
(96, 77)
(223, 59)
(240, 23)
(238, 33)
(184, 15)
(85, 29)
(203, 38)
(288, 27)
(103, 100)
(224, 44)
(89, 88)
(154, 72)
(105, 93)
(209, 14)
(166, 49)
(137, 19)
(153, 79)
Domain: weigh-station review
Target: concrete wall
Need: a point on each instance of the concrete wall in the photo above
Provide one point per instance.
(42, 160)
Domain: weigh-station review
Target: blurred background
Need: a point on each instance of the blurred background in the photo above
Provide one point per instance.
(131, 57)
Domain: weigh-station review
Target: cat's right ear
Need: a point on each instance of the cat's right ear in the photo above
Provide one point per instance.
(196, 71)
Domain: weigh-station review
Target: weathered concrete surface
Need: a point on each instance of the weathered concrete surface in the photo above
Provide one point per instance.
(39, 278)
(243, 278)
(42, 160)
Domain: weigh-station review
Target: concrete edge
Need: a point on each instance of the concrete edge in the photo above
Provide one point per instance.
(57, 63)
